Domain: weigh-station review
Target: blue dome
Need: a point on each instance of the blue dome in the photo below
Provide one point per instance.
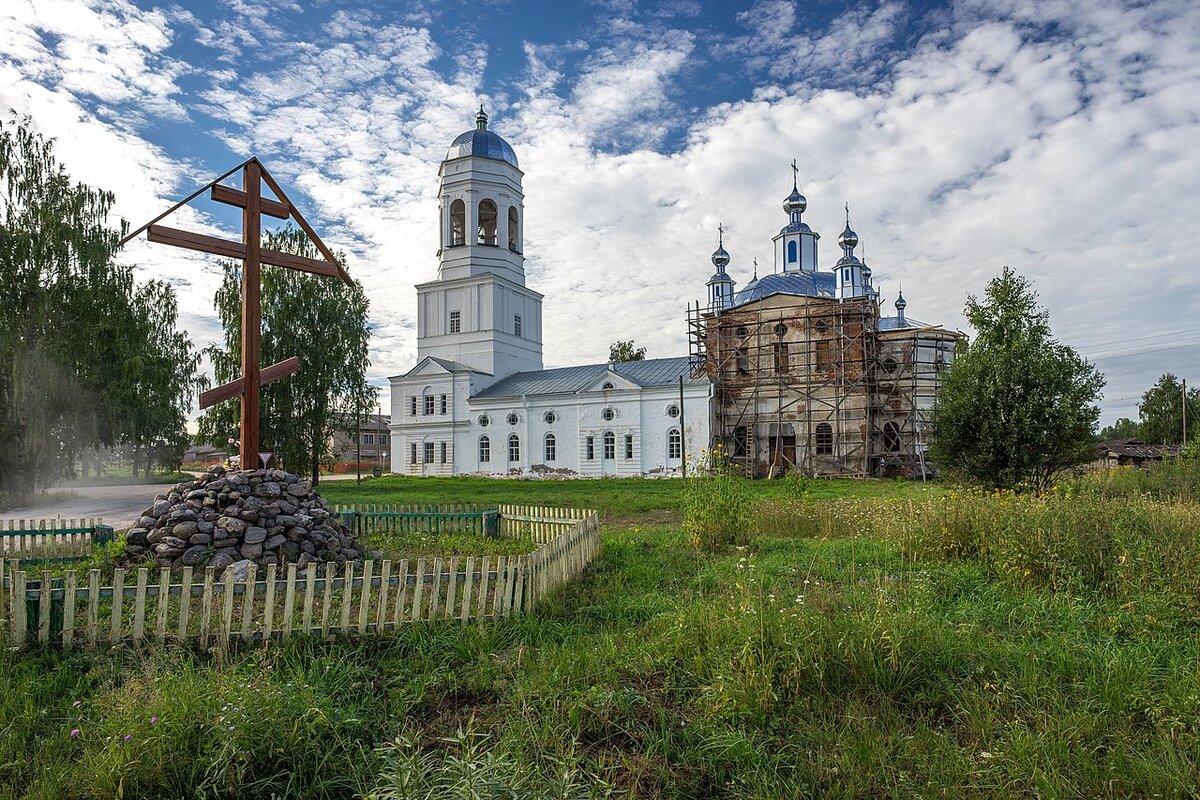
(483, 143)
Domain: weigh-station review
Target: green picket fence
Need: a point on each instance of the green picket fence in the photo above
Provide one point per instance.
(45, 540)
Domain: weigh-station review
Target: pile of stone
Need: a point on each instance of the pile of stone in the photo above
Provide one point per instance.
(262, 516)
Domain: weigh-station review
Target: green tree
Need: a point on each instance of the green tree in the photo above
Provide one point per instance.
(322, 321)
(1017, 406)
(1123, 428)
(1161, 411)
(88, 359)
(621, 351)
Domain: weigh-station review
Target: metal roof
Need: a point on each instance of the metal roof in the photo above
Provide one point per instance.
(649, 373)
(485, 143)
(897, 324)
(803, 284)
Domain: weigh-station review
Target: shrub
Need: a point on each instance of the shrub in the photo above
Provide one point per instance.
(716, 504)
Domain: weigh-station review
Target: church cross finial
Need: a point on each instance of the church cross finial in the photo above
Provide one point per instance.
(795, 174)
(847, 214)
(721, 234)
(756, 267)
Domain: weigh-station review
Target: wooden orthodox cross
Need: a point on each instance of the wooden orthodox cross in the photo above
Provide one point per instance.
(253, 255)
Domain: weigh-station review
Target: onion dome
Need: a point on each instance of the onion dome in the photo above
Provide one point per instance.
(901, 304)
(482, 143)
(848, 239)
(720, 258)
(795, 203)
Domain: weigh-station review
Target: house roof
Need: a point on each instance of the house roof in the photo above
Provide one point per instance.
(1136, 448)
(646, 374)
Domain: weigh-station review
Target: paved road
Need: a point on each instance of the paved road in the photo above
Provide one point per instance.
(118, 506)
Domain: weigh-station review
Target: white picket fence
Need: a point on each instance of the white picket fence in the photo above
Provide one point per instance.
(148, 605)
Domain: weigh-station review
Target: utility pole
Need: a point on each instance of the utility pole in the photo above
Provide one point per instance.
(358, 447)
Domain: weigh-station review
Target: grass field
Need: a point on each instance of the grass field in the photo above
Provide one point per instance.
(873, 639)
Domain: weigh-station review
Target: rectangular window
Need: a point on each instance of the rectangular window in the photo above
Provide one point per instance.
(591, 448)
(429, 452)
(443, 404)
(428, 405)
(610, 446)
(368, 438)
(628, 446)
(456, 322)
(383, 438)
(443, 453)
(551, 448)
(824, 354)
(412, 454)
(412, 405)
(516, 324)
(781, 358)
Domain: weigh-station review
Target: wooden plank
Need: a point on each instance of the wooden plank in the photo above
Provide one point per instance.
(68, 629)
(234, 388)
(227, 609)
(248, 602)
(401, 594)
(499, 591)
(419, 590)
(20, 610)
(289, 601)
(452, 589)
(364, 597)
(310, 590)
(236, 197)
(206, 601)
(347, 595)
(385, 575)
(161, 234)
(118, 600)
(164, 599)
(44, 608)
(470, 581)
(519, 588)
(93, 607)
(185, 603)
(269, 603)
(483, 587)
(327, 599)
(139, 605)
(436, 595)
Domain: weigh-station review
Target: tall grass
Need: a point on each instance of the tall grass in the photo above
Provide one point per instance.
(716, 503)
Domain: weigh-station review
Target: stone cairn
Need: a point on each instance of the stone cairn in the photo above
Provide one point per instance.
(261, 516)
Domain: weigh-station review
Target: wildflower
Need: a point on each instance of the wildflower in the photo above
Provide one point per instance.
(74, 732)
(77, 704)
(128, 737)
(154, 720)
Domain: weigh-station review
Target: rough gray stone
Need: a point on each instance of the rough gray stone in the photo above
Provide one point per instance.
(205, 526)
(300, 488)
(185, 529)
(268, 489)
(274, 541)
(174, 541)
(251, 550)
(196, 555)
(255, 535)
(136, 536)
(232, 524)
(241, 569)
(223, 558)
(200, 538)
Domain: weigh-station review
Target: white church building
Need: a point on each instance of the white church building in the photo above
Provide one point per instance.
(478, 399)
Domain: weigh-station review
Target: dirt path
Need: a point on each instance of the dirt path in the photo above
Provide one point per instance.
(118, 506)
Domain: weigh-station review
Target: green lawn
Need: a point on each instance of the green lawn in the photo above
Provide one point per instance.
(866, 647)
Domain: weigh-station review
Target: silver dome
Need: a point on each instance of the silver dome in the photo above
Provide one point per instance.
(795, 202)
(720, 258)
(901, 303)
(848, 238)
(482, 143)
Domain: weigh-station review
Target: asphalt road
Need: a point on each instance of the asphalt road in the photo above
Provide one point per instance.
(118, 506)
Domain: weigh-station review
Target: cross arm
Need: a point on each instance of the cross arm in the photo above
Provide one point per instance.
(232, 389)
(200, 242)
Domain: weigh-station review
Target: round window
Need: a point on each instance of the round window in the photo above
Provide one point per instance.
(608, 414)
(780, 329)
(550, 417)
(484, 421)
(821, 326)
(512, 418)
(672, 410)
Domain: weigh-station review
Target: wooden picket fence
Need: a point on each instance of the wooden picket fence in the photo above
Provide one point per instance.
(51, 539)
(151, 606)
(436, 519)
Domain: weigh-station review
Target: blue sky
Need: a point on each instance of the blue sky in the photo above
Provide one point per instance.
(1056, 137)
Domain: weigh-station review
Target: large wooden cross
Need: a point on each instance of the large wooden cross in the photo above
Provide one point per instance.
(253, 255)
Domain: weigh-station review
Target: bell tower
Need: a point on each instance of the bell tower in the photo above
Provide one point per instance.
(796, 243)
(479, 312)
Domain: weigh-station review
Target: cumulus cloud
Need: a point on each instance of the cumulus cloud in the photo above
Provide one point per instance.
(1056, 137)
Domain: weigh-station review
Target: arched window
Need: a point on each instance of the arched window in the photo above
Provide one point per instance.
(487, 222)
(514, 243)
(458, 223)
(607, 386)
(485, 450)
(610, 445)
(514, 447)
(428, 401)
(674, 444)
(791, 252)
(551, 449)
(891, 437)
(824, 439)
